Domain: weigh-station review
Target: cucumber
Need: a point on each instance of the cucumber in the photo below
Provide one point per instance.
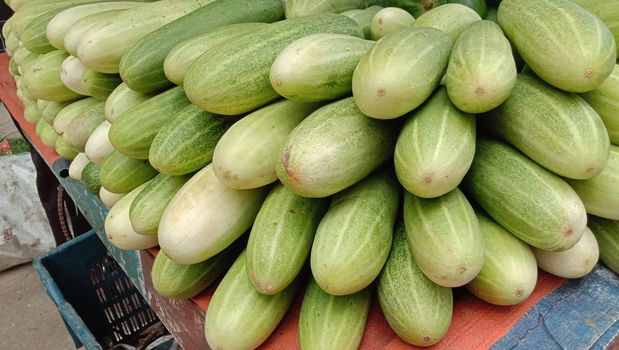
(6, 28)
(74, 34)
(48, 135)
(121, 174)
(205, 217)
(357, 146)
(99, 85)
(148, 206)
(176, 281)
(64, 150)
(71, 72)
(354, 237)
(77, 166)
(72, 110)
(301, 8)
(40, 124)
(600, 194)
(317, 67)
(452, 19)
(32, 114)
(98, 146)
(90, 177)
(529, 201)
(182, 56)
(52, 109)
(121, 100)
(21, 55)
(332, 322)
(389, 20)
(605, 101)
(560, 41)
(12, 44)
(238, 316)
(509, 273)
(233, 78)
(283, 231)
(607, 11)
(41, 104)
(435, 148)
(141, 67)
(557, 130)
(133, 133)
(478, 5)
(417, 61)
(417, 309)
(81, 127)
(444, 238)
(492, 15)
(108, 198)
(363, 18)
(118, 227)
(42, 78)
(415, 7)
(575, 262)
(482, 72)
(13, 67)
(607, 235)
(33, 37)
(187, 141)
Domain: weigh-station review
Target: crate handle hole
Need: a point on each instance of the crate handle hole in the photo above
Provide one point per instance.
(64, 173)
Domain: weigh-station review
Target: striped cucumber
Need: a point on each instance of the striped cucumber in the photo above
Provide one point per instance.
(417, 62)
(283, 231)
(575, 262)
(74, 34)
(363, 18)
(435, 148)
(357, 146)
(90, 176)
(529, 201)
(72, 110)
(301, 8)
(64, 150)
(99, 85)
(354, 237)
(108, 198)
(42, 78)
(452, 19)
(33, 37)
(330, 322)
(607, 235)
(479, 6)
(71, 72)
(605, 101)
(47, 134)
(81, 127)
(389, 20)
(417, 309)
(121, 174)
(98, 146)
(607, 11)
(121, 100)
(52, 109)
(556, 129)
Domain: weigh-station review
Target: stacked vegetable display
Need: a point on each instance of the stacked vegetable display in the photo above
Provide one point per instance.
(398, 146)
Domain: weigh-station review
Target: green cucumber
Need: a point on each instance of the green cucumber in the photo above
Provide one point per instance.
(90, 177)
(21, 55)
(607, 11)
(48, 135)
(415, 7)
(42, 78)
(205, 217)
(444, 237)
(187, 141)
(81, 127)
(301, 8)
(108, 198)
(283, 231)
(40, 124)
(605, 101)
(556, 129)
(98, 146)
(509, 273)
(317, 67)
(417, 309)
(363, 18)
(74, 34)
(238, 316)
(41, 104)
(11, 44)
(600, 194)
(121, 100)
(141, 67)
(354, 237)
(417, 62)
(492, 15)
(607, 235)
(183, 55)
(63, 149)
(70, 111)
(532, 203)
(357, 146)
(482, 72)
(33, 37)
(452, 19)
(32, 114)
(13, 67)
(389, 20)
(147, 208)
(71, 72)
(560, 41)
(478, 5)
(99, 85)
(251, 163)
(133, 133)
(575, 262)
(435, 148)
(52, 109)
(332, 322)
(121, 174)
(233, 78)
(77, 166)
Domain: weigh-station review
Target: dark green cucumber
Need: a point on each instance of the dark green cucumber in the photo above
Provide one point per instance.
(121, 174)
(100, 85)
(91, 177)
(607, 234)
(478, 5)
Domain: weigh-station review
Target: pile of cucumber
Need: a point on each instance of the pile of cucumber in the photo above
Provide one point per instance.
(347, 147)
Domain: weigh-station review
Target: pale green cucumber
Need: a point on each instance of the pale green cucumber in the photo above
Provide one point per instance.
(20, 55)
(13, 68)
(251, 163)
(121, 100)
(99, 85)
(528, 200)
(186, 142)
(417, 309)
(233, 78)
(108, 198)
(48, 135)
(32, 114)
(444, 237)
(560, 41)
(71, 72)
(77, 166)
(509, 273)
(482, 72)
(147, 208)
(121, 174)
(556, 129)
(40, 124)
(417, 62)
(183, 55)
(415, 7)
(98, 146)
(389, 20)
(52, 109)
(330, 322)
(64, 150)
(357, 146)
(575, 262)
(6, 28)
(363, 18)
(479, 6)
(90, 177)
(600, 194)
(70, 111)
(607, 11)
(205, 217)
(301, 8)
(81, 127)
(354, 237)
(238, 316)
(452, 19)
(282, 232)
(74, 34)
(42, 78)
(41, 104)
(33, 37)
(317, 67)
(134, 132)
(435, 148)
(605, 101)
(607, 235)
